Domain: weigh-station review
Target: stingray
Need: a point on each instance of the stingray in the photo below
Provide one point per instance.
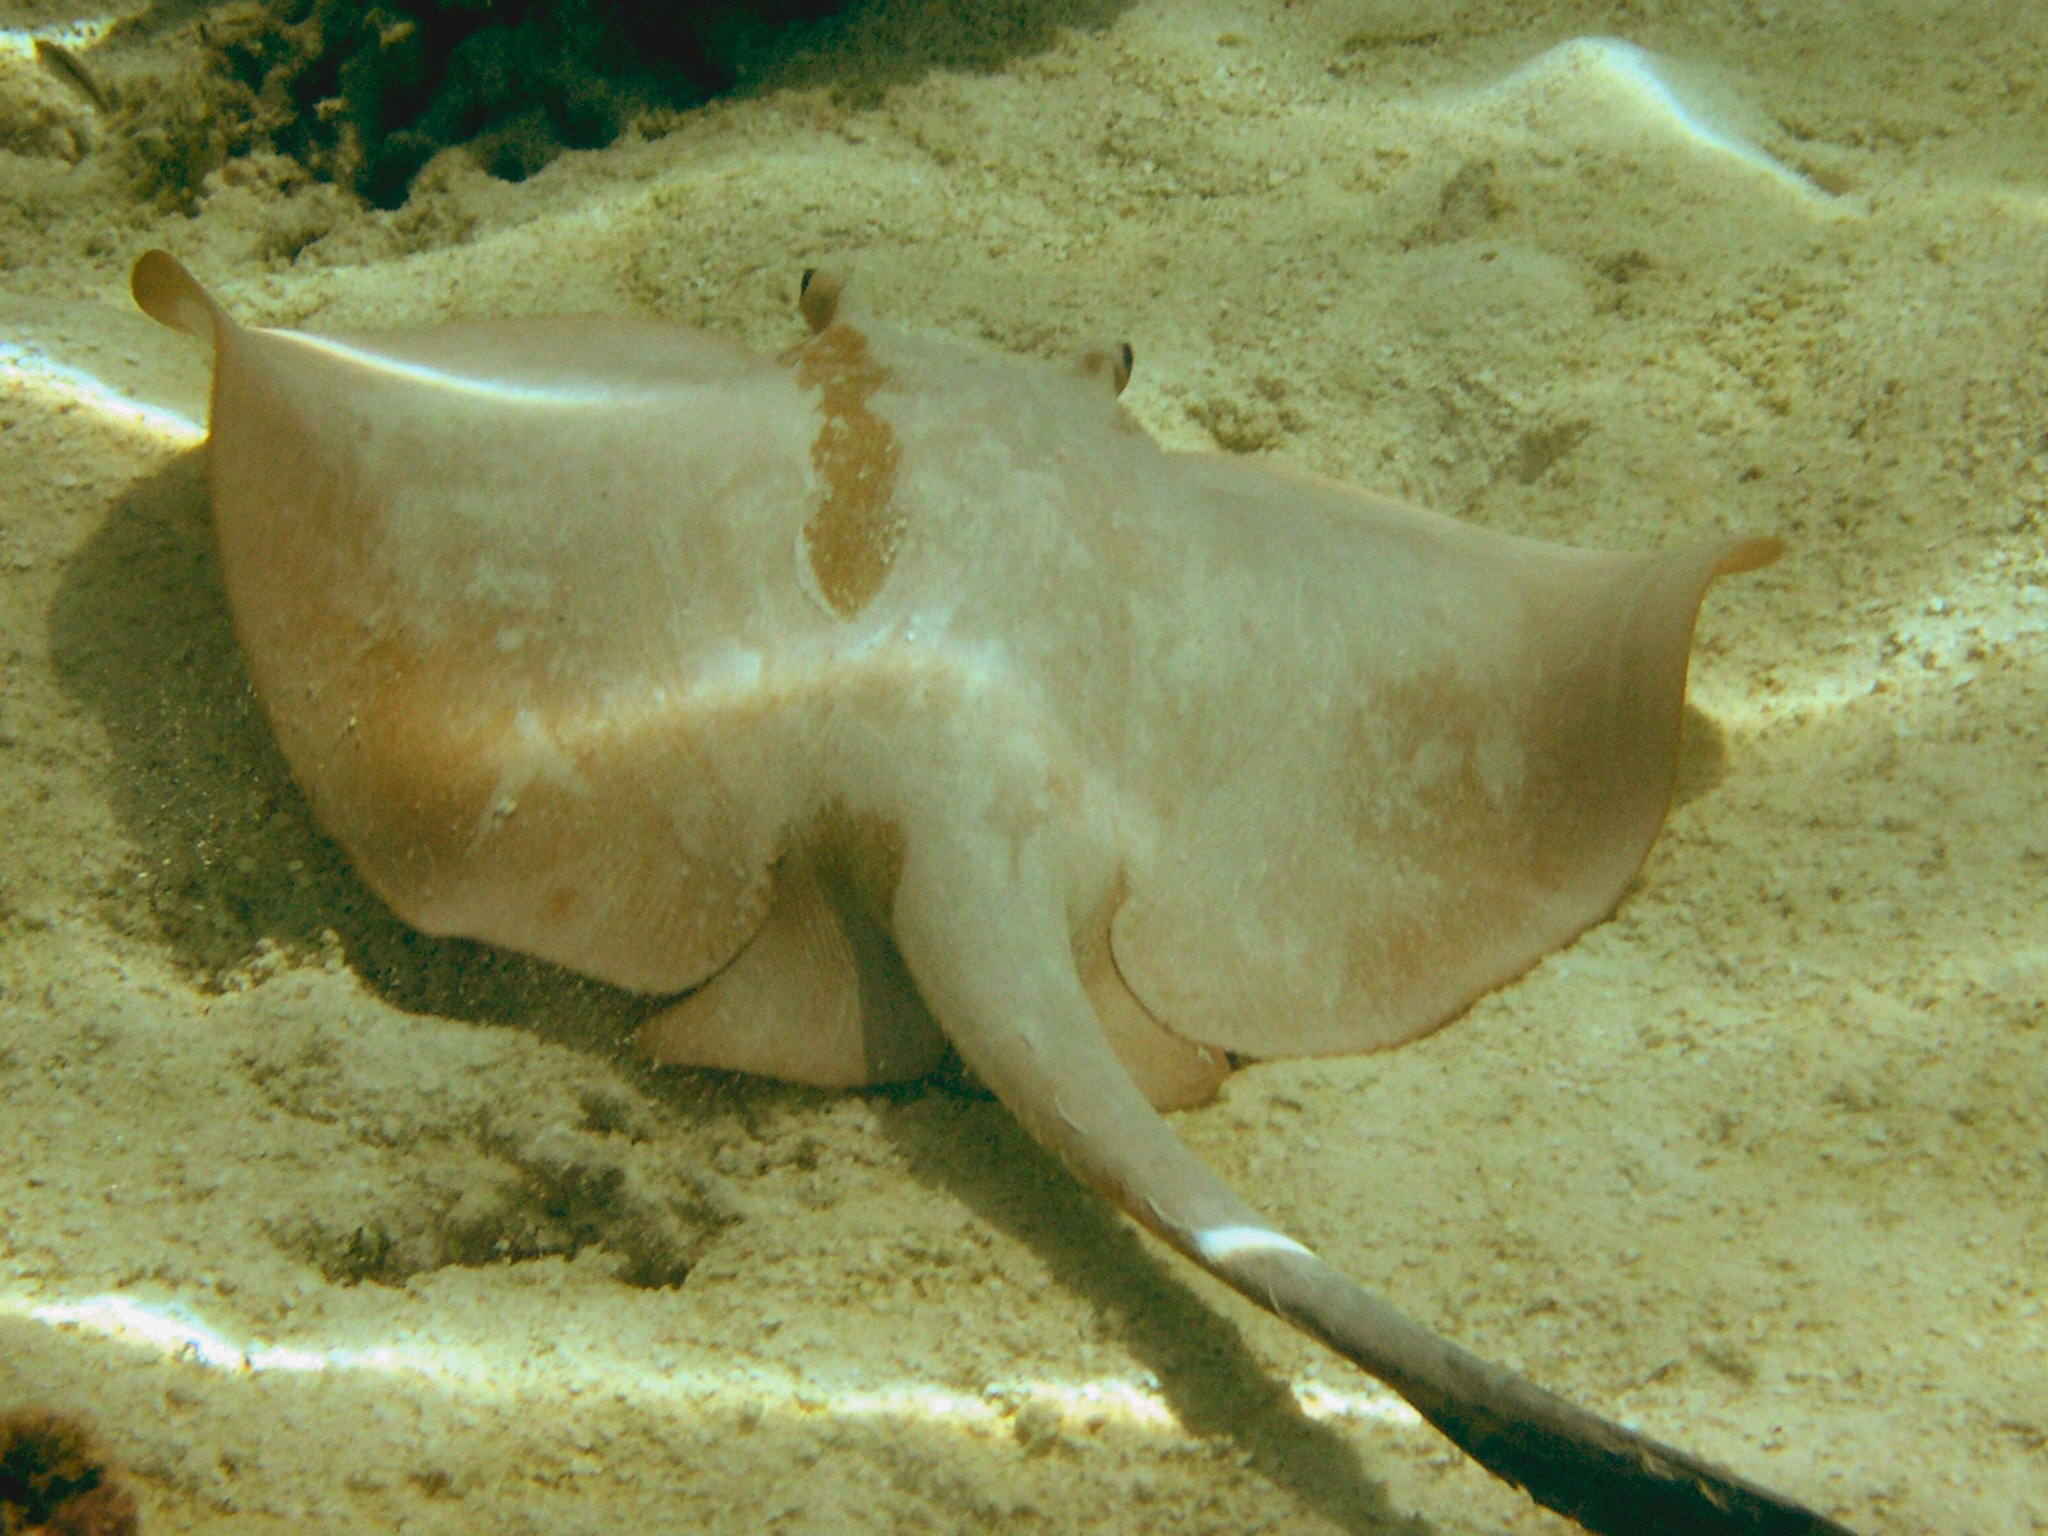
(891, 695)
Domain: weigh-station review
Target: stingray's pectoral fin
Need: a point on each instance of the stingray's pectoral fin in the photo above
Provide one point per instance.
(818, 996)
(171, 296)
(985, 935)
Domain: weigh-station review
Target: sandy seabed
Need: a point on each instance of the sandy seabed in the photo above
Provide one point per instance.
(330, 1227)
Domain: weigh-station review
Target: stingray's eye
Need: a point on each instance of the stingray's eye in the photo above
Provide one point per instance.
(817, 296)
(1109, 362)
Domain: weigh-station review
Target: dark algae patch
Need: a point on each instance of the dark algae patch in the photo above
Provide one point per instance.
(364, 94)
(360, 95)
(55, 1480)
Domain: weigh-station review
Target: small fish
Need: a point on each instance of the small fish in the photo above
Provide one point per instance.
(67, 66)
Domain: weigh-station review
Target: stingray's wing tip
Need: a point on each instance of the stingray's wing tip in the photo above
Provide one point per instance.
(1749, 555)
(172, 296)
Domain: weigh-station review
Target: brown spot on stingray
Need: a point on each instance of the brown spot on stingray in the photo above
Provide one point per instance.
(1428, 761)
(852, 537)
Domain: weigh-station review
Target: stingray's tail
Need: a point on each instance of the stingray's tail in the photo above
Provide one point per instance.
(984, 933)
